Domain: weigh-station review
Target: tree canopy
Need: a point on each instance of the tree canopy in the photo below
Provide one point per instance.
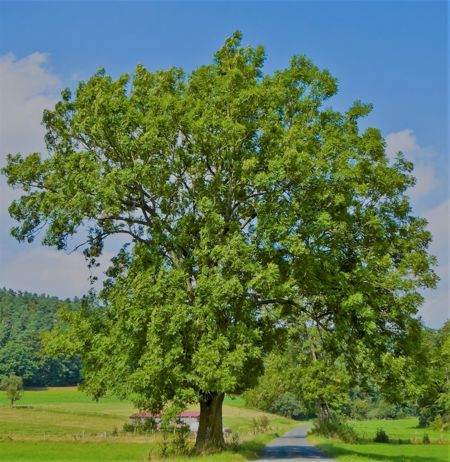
(248, 204)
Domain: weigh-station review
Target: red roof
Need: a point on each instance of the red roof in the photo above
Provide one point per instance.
(189, 414)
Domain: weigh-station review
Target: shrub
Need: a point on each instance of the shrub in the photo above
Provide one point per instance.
(142, 428)
(335, 428)
(180, 441)
(148, 426)
(359, 409)
(441, 423)
(234, 441)
(282, 403)
(128, 428)
(176, 439)
(13, 385)
(426, 439)
(164, 449)
(260, 424)
(381, 436)
(287, 405)
(382, 410)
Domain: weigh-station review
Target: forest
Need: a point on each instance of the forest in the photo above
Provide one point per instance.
(24, 317)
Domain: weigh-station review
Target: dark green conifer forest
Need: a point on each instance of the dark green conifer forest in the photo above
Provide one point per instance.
(24, 317)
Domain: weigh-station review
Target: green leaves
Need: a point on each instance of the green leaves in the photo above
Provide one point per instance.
(12, 385)
(247, 204)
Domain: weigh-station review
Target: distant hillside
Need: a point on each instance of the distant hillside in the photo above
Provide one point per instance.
(23, 319)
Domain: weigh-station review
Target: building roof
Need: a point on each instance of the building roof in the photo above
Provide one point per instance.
(189, 414)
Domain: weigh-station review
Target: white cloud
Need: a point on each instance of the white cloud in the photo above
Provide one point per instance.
(426, 181)
(44, 270)
(26, 89)
(435, 310)
(438, 224)
(424, 171)
(403, 141)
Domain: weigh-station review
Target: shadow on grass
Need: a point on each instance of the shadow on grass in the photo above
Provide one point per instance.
(395, 441)
(290, 452)
(333, 451)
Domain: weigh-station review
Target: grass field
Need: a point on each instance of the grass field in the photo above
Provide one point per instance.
(399, 431)
(66, 425)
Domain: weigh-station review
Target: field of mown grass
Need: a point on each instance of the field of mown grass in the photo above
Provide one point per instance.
(405, 443)
(65, 425)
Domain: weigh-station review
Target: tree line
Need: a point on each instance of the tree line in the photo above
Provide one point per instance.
(24, 318)
(302, 378)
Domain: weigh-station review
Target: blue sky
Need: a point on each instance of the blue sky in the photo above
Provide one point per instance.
(391, 54)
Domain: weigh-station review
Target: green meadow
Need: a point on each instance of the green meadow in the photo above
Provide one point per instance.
(66, 425)
(399, 429)
(376, 452)
(405, 443)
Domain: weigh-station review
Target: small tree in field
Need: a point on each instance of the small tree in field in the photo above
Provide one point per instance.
(13, 386)
(248, 204)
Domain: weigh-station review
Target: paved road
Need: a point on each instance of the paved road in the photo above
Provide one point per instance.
(293, 447)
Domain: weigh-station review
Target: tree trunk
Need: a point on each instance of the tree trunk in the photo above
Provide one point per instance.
(325, 413)
(210, 430)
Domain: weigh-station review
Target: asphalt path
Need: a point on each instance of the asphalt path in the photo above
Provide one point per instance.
(293, 447)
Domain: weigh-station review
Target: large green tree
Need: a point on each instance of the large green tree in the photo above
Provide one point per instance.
(248, 203)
